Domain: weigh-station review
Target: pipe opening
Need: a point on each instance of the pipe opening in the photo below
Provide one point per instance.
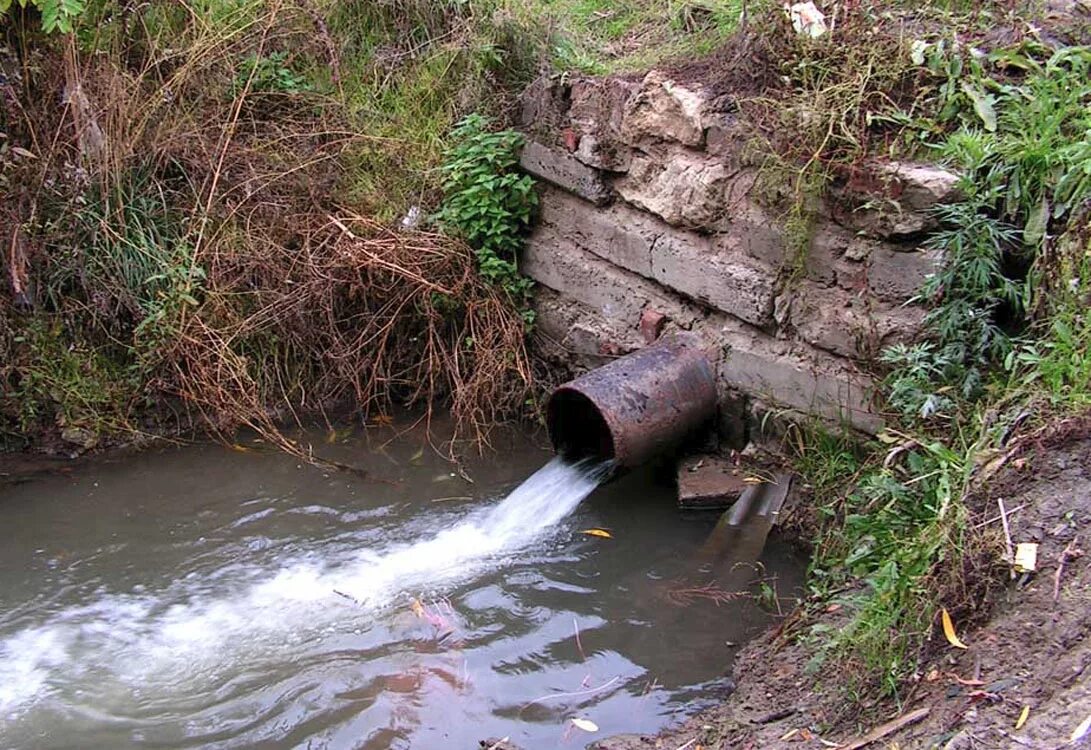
(577, 427)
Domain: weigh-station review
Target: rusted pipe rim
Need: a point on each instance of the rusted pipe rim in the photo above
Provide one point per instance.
(577, 427)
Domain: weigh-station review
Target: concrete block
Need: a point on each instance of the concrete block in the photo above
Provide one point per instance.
(616, 294)
(847, 324)
(565, 171)
(898, 276)
(796, 377)
(708, 482)
(687, 263)
(620, 234)
(752, 231)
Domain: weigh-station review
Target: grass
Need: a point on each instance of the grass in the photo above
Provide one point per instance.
(1007, 330)
(603, 36)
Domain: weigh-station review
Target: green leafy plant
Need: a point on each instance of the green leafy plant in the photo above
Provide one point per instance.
(57, 15)
(270, 74)
(488, 202)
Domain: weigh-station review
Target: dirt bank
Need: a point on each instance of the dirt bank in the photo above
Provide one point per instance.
(1033, 654)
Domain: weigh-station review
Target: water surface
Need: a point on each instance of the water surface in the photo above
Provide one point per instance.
(210, 597)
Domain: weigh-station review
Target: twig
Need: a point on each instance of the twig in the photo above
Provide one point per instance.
(1010, 551)
(1070, 553)
(996, 518)
(889, 728)
(573, 694)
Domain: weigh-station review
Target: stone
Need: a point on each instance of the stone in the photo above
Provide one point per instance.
(651, 324)
(895, 199)
(708, 482)
(564, 171)
(752, 231)
(80, 437)
(832, 319)
(921, 187)
(684, 189)
(898, 276)
(664, 110)
(733, 284)
(596, 111)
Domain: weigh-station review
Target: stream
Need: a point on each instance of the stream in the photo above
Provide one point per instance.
(213, 597)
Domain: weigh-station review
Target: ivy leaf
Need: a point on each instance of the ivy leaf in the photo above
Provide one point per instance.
(983, 104)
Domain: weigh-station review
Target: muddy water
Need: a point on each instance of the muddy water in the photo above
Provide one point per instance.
(208, 597)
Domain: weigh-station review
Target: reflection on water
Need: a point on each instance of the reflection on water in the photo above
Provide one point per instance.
(204, 597)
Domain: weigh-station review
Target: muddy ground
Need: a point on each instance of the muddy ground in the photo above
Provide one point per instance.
(1032, 654)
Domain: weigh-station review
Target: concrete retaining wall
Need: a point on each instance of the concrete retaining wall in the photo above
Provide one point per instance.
(656, 214)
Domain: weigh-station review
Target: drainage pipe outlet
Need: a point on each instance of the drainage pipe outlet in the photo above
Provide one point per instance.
(636, 406)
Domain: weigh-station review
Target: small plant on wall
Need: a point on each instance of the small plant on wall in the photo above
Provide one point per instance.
(488, 202)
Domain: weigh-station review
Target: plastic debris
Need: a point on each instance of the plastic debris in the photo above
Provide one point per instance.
(808, 19)
(585, 724)
(1026, 557)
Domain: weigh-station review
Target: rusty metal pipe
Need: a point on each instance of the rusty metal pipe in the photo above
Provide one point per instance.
(636, 406)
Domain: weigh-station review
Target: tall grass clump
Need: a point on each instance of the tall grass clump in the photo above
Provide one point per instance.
(1006, 334)
(204, 203)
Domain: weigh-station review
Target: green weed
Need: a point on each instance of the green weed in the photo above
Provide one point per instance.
(489, 202)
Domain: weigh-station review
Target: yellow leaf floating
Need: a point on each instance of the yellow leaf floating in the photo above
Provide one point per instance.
(240, 448)
(417, 607)
(1022, 717)
(586, 724)
(949, 630)
(598, 532)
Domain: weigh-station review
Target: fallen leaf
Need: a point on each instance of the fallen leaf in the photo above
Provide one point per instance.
(1081, 731)
(19, 151)
(586, 725)
(1022, 717)
(415, 459)
(598, 532)
(753, 480)
(949, 629)
(417, 607)
(240, 448)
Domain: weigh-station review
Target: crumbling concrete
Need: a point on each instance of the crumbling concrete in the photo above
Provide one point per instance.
(653, 218)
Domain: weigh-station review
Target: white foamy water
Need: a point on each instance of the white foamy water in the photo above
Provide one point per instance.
(119, 651)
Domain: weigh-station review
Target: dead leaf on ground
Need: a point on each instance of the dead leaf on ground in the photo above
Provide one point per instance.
(598, 532)
(1022, 717)
(949, 629)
